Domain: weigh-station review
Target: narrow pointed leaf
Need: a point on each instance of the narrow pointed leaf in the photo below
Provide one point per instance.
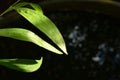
(24, 65)
(45, 25)
(26, 35)
(40, 21)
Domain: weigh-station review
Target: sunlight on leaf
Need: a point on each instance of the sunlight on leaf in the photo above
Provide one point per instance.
(43, 24)
(36, 17)
(24, 65)
(27, 35)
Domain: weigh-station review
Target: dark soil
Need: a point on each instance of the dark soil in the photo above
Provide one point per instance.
(93, 44)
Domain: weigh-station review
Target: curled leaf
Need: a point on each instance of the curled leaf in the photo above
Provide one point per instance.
(36, 17)
(24, 65)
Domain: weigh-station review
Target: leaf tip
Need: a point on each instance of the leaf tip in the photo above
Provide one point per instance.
(66, 52)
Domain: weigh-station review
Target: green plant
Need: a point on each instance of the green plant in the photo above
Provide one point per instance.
(36, 17)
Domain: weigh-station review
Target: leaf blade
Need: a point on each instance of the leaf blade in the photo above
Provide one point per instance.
(23, 65)
(29, 36)
(45, 25)
(23, 4)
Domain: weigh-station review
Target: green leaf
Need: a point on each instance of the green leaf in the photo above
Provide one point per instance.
(24, 65)
(36, 17)
(24, 4)
(37, 7)
(44, 24)
(27, 35)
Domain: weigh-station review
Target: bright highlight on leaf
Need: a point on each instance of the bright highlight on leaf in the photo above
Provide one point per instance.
(26, 35)
(40, 21)
(36, 17)
(24, 65)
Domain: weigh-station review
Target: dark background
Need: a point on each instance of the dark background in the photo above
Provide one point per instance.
(88, 36)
